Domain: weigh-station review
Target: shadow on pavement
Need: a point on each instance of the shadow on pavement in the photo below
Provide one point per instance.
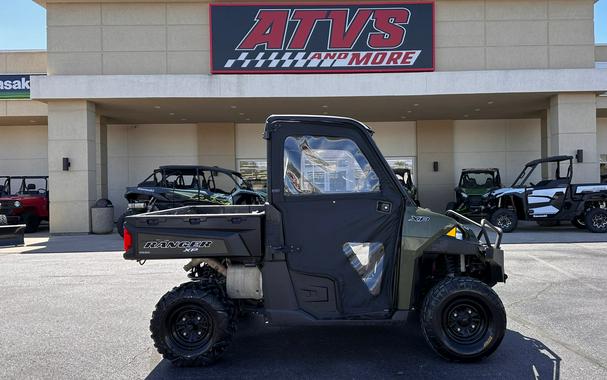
(531, 233)
(348, 352)
(41, 242)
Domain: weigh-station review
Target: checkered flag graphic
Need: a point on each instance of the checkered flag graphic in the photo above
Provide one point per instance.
(288, 59)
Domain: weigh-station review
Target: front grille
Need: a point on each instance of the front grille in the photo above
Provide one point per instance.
(475, 200)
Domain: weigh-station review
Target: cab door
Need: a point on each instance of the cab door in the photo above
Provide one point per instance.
(342, 211)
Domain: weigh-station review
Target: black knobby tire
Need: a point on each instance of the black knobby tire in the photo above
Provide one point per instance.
(463, 319)
(450, 206)
(32, 222)
(505, 219)
(193, 324)
(596, 220)
(579, 222)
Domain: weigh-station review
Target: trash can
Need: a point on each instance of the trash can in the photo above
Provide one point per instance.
(102, 217)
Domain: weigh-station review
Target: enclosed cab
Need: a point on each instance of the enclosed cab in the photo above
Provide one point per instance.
(339, 241)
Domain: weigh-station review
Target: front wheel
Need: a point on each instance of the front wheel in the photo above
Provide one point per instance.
(505, 219)
(463, 319)
(32, 222)
(193, 324)
(596, 220)
(579, 222)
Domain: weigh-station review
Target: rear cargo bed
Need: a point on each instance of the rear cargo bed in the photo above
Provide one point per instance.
(197, 232)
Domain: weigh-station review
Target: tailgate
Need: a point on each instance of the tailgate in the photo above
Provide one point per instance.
(162, 235)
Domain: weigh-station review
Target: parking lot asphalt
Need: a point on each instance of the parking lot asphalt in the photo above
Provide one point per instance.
(86, 315)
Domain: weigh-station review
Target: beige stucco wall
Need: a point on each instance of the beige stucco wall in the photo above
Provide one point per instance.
(134, 151)
(128, 38)
(23, 150)
(249, 141)
(22, 62)
(601, 129)
(503, 144)
(161, 38)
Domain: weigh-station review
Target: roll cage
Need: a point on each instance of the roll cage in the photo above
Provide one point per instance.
(468, 180)
(530, 167)
(202, 178)
(26, 185)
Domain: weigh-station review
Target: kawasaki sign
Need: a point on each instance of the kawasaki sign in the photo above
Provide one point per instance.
(14, 86)
(322, 38)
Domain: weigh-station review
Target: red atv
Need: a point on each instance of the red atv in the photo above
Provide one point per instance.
(24, 199)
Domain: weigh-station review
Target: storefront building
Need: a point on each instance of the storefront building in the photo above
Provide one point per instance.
(446, 85)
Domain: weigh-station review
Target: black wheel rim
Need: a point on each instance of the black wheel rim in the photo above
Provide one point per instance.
(503, 221)
(599, 220)
(465, 321)
(190, 327)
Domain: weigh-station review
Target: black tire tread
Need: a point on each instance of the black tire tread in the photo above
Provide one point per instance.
(216, 298)
(505, 211)
(588, 219)
(437, 294)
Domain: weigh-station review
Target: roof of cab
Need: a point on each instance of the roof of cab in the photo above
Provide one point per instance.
(272, 119)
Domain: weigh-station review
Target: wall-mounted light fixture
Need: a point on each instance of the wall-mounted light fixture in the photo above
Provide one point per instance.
(435, 166)
(66, 164)
(579, 155)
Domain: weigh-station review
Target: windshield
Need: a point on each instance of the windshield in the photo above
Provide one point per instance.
(472, 180)
(221, 182)
(525, 178)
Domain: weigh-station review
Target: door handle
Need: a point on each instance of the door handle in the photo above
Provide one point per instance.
(384, 207)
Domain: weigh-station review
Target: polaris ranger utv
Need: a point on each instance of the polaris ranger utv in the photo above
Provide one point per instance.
(339, 241)
(550, 200)
(473, 184)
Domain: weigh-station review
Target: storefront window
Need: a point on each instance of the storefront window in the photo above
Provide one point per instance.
(255, 171)
(603, 167)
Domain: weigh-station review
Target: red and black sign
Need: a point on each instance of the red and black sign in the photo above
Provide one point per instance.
(315, 38)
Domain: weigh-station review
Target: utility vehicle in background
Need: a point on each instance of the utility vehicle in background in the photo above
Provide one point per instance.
(403, 175)
(473, 184)
(24, 199)
(182, 185)
(550, 200)
(339, 242)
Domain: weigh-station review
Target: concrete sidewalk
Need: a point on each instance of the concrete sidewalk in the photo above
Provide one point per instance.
(526, 233)
(41, 242)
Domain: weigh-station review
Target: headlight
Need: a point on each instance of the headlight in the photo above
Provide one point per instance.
(464, 195)
(456, 233)
(17, 204)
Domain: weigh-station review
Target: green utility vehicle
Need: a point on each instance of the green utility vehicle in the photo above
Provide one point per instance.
(338, 242)
(473, 184)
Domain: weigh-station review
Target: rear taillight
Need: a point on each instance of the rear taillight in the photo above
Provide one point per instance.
(128, 240)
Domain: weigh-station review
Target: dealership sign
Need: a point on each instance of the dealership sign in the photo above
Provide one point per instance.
(315, 37)
(14, 86)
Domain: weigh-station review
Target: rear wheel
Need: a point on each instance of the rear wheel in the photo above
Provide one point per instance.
(463, 319)
(596, 220)
(32, 222)
(505, 219)
(579, 222)
(193, 324)
(120, 222)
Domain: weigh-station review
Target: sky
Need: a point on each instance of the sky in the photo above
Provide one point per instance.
(23, 24)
